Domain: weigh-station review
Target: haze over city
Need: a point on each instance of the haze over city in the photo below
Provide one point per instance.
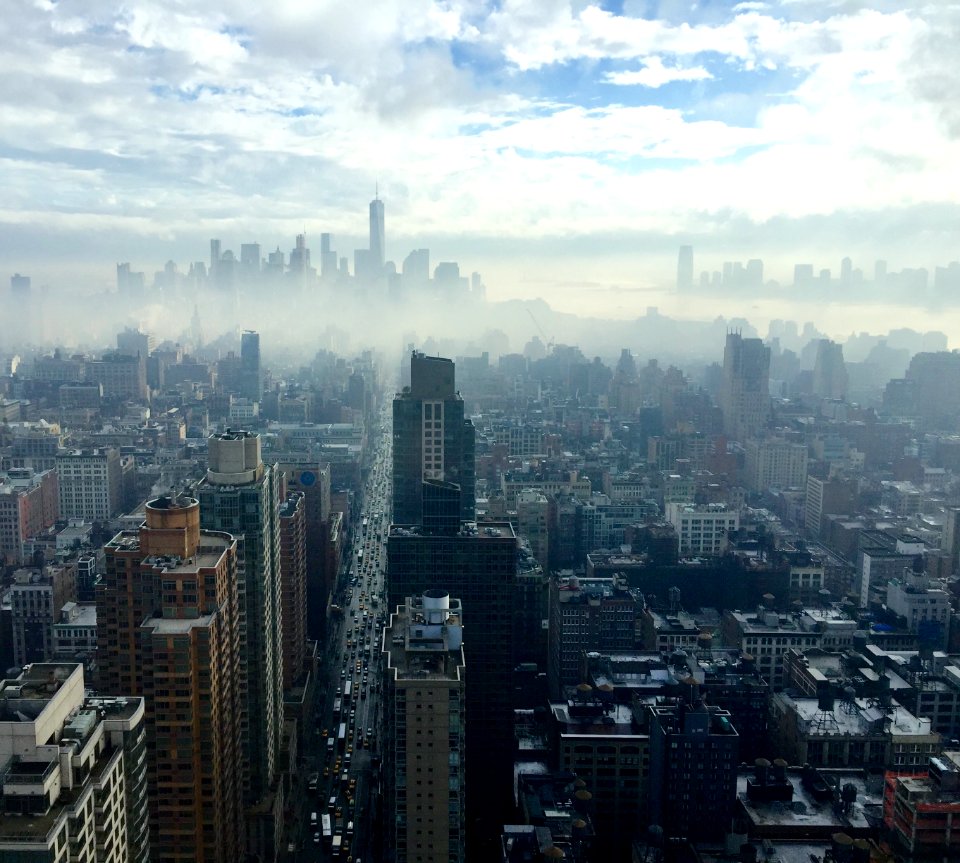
(479, 431)
(565, 150)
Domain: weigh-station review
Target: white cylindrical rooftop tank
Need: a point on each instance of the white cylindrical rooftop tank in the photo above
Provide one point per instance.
(436, 605)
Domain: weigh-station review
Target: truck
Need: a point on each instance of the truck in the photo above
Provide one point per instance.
(326, 828)
(337, 845)
(342, 735)
(347, 691)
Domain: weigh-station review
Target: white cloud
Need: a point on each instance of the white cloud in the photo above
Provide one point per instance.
(654, 74)
(170, 118)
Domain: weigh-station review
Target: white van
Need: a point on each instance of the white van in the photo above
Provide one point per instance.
(313, 819)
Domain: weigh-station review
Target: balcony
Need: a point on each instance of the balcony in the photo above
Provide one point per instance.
(20, 772)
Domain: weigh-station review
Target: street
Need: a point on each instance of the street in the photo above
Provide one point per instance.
(344, 752)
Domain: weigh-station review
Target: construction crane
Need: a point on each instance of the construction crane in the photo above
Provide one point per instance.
(550, 341)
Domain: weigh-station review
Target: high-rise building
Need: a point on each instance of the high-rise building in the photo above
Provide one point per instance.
(249, 260)
(685, 268)
(214, 256)
(830, 379)
(480, 566)
(312, 479)
(694, 751)
(775, 463)
(28, 505)
(586, 614)
(169, 630)
(416, 270)
(121, 376)
(377, 238)
(293, 587)
(74, 781)
(744, 392)
(950, 543)
(424, 713)
(328, 258)
(431, 440)
(251, 371)
(133, 343)
(240, 495)
(36, 597)
(19, 284)
(90, 484)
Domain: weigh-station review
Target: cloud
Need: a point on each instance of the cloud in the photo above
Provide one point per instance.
(491, 120)
(654, 74)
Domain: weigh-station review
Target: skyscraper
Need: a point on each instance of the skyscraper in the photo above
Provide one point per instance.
(293, 587)
(830, 379)
(431, 440)
(479, 565)
(251, 372)
(169, 631)
(744, 392)
(214, 256)
(685, 268)
(377, 239)
(424, 714)
(74, 781)
(240, 495)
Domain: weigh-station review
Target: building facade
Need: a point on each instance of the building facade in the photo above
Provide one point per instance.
(90, 484)
(425, 718)
(169, 631)
(240, 496)
(432, 440)
(74, 775)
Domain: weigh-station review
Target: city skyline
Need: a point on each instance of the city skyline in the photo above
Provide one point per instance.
(800, 132)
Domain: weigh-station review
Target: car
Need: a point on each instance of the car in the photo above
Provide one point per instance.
(316, 838)
(326, 772)
(312, 781)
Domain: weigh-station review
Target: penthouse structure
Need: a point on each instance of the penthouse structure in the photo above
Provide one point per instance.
(72, 770)
(425, 716)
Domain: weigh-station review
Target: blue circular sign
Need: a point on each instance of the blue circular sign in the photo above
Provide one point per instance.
(308, 478)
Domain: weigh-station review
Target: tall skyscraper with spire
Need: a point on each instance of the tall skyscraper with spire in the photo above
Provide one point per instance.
(377, 241)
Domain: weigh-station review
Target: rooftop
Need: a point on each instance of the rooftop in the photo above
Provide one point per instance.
(859, 717)
(488, 530)
(177, 625)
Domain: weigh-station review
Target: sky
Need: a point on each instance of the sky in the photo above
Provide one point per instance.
(548, 144)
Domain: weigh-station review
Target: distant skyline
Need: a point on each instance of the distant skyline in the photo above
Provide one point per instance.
(554, 146)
